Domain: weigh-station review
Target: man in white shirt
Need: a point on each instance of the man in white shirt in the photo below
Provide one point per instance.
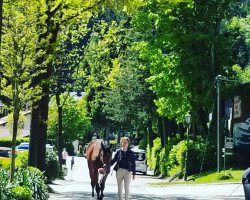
(64, 156)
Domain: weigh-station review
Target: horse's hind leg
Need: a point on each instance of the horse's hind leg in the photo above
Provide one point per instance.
(94, 179)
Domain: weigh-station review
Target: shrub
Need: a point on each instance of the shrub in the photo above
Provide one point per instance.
(176, 158)
(30, 178)
(163, 161)
(224, 175)
(5, 162)
(7, 142)
(22, 159)
(52, 168)
(5, 185)
(149, 157)
(34, 179)
(153, 156)
(143, 144)
(21, 193)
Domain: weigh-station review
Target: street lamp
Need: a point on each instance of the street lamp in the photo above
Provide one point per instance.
(188, 123)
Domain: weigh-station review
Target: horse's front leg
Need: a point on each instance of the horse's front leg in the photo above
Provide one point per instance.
(102, 186)
(97, 188)
(93, 191)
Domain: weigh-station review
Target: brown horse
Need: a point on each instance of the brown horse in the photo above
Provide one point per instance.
(98, 156)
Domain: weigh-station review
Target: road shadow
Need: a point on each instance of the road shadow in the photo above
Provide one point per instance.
(112, 196)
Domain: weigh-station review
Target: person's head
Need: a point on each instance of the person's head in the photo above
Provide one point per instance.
(124, 142)
(64, 149)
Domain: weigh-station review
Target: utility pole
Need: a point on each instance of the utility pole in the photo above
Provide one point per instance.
(218, 79)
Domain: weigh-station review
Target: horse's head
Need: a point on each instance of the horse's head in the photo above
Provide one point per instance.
(106, 156)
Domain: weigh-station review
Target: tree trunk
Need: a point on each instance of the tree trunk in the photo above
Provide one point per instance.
(150, 134)
(59, 136)
(119, 136)
(203, 119)
(180, 130)
(44, 107)
(165, 132)
(38, 130)
(15, 127)
(160, 128)
(107, 134)
(34, 136)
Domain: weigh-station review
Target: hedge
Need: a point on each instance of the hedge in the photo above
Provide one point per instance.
(7, 142)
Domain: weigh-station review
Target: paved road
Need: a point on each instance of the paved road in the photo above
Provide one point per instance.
(76, 186)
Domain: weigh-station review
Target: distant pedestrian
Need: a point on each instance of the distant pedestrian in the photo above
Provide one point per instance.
(64, 156)
(72, 162)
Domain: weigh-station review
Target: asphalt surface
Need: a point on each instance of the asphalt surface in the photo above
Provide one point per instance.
(76, 186)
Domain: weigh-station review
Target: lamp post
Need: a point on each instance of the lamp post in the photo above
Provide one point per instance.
(188, 123)
(218, 79)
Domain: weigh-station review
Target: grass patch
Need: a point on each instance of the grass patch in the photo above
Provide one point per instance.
(207, 177)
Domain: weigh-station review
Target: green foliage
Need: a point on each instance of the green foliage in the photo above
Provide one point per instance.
(243, 74)
(143, 144)
(163, 161)
(7, 142)
(5, 185)
(22, 193)
(5, 163)
(28, 184)
(22, 158)
(164, 155)
(52, 169)
(224, 175)
(34, 179)
(186, 51)
(171, 159)
(76, 123)
(117, 93)
(176, 158)
(196, 151)
(153, 156)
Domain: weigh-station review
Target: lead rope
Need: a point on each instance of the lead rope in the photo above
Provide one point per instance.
(233, 191)
(118, 160)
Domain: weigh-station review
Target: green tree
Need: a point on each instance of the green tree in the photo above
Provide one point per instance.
(52, 16)
(76, 123)
(66, 66)
(184, 52)
(17, 61)
(116, 90)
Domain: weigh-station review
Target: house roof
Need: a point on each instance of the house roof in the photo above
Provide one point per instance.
(5, 133)
(3, 120)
